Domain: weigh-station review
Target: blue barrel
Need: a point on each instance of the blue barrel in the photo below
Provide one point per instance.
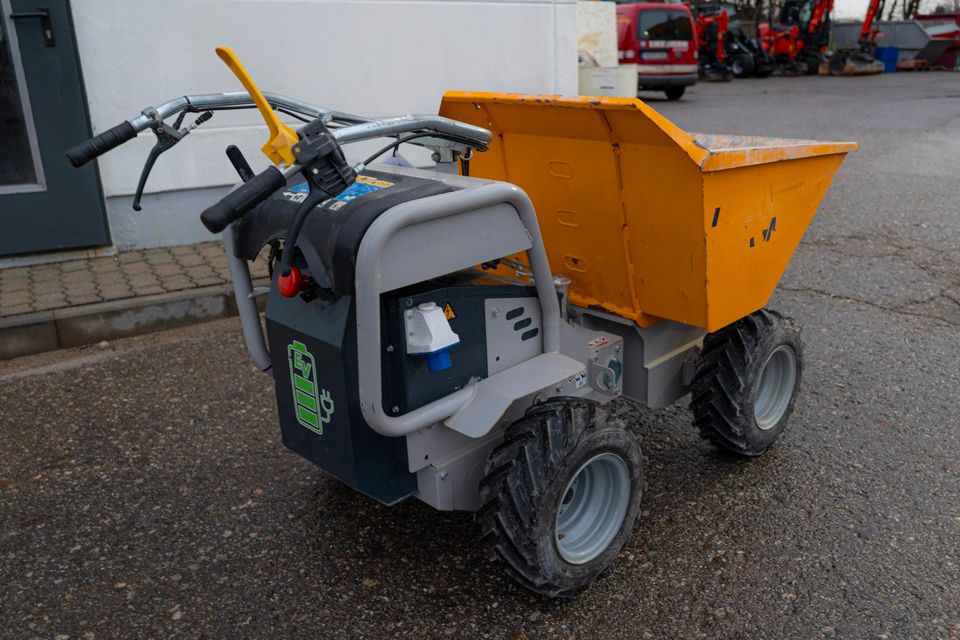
(888, 56)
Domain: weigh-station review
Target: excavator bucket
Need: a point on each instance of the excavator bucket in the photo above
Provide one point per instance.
(650, 222)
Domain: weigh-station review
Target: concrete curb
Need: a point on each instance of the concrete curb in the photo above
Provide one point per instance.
(87, 324)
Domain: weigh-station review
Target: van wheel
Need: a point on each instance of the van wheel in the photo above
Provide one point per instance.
(560, 495)
(674, 93)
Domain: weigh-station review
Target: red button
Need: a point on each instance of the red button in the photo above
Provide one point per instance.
(289, 284)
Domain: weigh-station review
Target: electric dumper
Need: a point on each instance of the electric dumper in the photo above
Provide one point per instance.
(453, 333)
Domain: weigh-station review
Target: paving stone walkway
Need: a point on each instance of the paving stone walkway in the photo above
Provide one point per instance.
(130, 274)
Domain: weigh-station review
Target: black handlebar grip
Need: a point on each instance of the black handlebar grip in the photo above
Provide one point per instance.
(84, 152)
(242, 199)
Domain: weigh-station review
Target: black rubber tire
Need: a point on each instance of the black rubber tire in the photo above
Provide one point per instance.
(727, 374)
(763, 71)
(522, 489)
(742, 65)
(674, 93)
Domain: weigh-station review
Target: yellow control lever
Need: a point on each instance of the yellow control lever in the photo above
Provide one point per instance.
(282, 138)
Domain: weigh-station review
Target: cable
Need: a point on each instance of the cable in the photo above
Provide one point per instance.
(393, 145)
(317, 196)
(242, 107)
(413, 136)
(293, 114)
(313, 198)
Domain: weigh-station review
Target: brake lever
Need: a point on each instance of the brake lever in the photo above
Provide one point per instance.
(167, 138)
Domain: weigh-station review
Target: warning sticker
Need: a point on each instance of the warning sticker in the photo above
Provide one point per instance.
(580, 380)
(363, 186)
(448, 312)
(374, 182)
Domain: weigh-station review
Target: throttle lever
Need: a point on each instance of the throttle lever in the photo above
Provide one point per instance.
(167, 137)
(240, 163)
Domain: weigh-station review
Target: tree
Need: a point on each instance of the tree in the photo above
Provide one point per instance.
(944, 8)
(908, 9)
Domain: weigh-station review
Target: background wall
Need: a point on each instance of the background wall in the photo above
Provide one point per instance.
(374, 57)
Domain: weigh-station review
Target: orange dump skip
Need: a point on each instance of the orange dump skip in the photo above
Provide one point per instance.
(650, 222)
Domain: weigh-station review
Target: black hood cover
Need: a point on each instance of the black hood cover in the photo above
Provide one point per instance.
(331, 235)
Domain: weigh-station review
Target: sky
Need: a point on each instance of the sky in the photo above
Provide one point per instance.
(856, 9)
(850, 9)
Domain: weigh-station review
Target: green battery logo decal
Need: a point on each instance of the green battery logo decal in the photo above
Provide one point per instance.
(313, 405)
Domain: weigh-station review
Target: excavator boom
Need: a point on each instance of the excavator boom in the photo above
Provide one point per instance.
(868, 35)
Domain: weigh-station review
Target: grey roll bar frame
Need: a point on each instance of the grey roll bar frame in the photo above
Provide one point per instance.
(246, 302)
(367, 300)
(355, 128)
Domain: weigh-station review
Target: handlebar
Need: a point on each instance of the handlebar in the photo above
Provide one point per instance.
(239, 99)
(84, 152)
(249, 194)
(345, 127)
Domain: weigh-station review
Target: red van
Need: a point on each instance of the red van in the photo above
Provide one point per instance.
(661, 40)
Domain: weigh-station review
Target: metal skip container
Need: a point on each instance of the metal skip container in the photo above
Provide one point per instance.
(650, 222)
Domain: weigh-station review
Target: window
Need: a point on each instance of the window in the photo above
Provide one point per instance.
(16, 159)
(663, 24)
(798, 13)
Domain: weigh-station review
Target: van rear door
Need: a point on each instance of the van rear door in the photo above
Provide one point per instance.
(665, 38)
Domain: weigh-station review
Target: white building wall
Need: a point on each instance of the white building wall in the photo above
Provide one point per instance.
(373, 57)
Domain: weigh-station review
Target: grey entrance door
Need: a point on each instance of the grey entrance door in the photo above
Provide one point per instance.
(45, 204)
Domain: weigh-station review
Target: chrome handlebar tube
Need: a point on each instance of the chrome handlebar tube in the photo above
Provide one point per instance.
(348, 127)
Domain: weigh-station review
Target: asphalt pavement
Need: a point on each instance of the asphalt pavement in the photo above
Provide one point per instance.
(145, 493)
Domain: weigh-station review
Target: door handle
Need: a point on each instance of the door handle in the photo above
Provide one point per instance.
(46, 24)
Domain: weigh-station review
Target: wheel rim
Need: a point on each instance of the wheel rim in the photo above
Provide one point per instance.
(592, 508)
(737, 68)
(775, 388)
